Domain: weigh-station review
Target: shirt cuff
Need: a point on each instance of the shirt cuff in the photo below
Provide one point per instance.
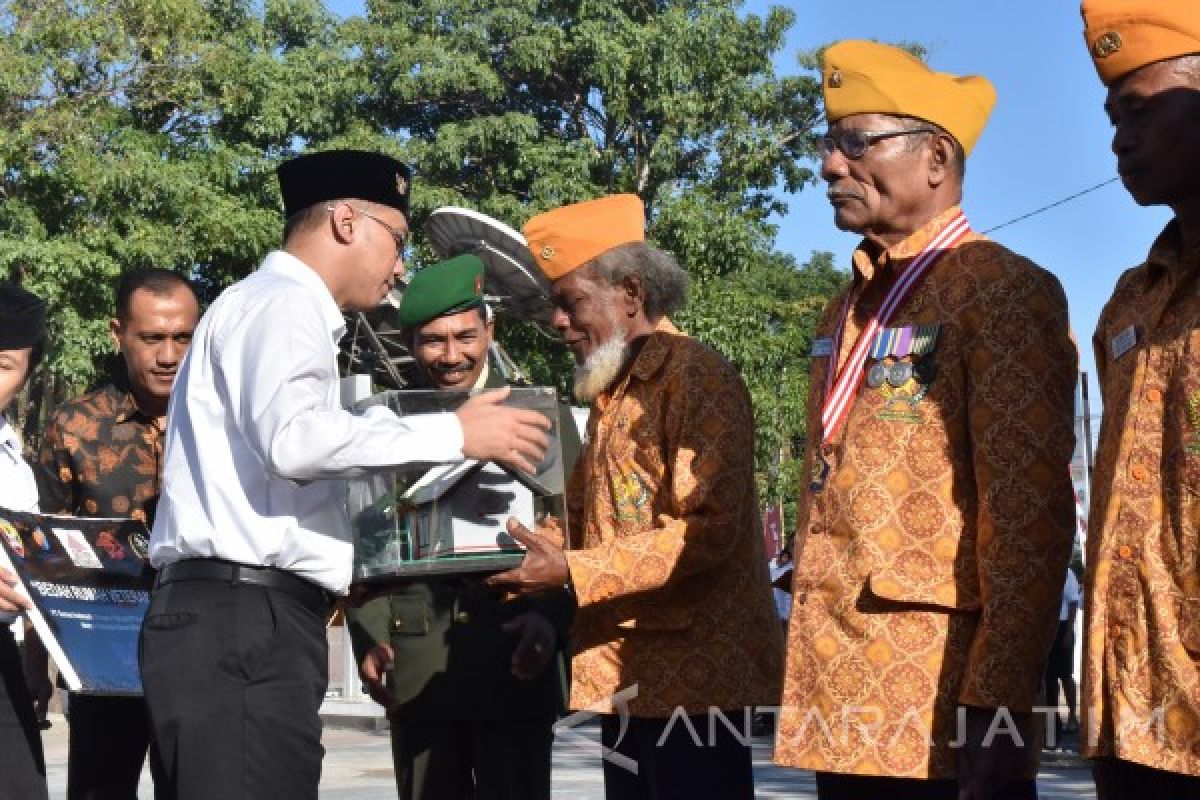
(447, 435)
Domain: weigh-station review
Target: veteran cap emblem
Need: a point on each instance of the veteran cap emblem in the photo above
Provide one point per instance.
(1106, 44)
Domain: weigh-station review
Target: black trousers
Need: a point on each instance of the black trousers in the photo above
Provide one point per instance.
(838, 786)
(234, 679)
(108, 741)
(22, 766)
(1117, 779)
(438, 759)
(709, 765)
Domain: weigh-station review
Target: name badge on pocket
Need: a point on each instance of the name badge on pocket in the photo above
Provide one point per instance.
(1123, 342)
(822, 347)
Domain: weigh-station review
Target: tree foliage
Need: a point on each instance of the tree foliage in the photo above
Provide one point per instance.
(146, 132)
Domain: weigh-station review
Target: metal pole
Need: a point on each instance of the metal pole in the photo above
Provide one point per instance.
(1087, 431)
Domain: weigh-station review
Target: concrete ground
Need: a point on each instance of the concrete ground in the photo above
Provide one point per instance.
(358, 767)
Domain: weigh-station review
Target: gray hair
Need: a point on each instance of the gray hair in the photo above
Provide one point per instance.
(664, 282)
(958, 163)
(1188, 67)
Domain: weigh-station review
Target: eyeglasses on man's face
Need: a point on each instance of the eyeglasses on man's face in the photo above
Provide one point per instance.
(399, 237)
(854, 143)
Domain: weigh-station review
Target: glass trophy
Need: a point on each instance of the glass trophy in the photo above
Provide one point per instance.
(449, 519)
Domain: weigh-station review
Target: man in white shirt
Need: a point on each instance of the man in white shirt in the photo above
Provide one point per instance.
(1060, 669)
(252, 536)
(22, 767)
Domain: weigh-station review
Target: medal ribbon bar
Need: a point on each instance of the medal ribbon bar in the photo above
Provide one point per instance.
(840, 393)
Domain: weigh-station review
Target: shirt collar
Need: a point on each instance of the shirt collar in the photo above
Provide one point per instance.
(655, 351)
(279, 262)
(866, 265)
(1167, 256)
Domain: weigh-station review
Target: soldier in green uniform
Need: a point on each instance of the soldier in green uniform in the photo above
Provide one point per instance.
(472, 681)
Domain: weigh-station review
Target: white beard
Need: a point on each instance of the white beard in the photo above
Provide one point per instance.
(601, 369)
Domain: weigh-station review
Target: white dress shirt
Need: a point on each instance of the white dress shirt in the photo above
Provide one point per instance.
(256, 442)
(18, 490)
(1071, 594)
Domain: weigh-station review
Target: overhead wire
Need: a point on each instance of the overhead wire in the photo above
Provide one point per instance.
(1055, 204)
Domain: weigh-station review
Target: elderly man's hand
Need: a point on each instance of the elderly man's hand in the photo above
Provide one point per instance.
(544, 567)
(10, 601)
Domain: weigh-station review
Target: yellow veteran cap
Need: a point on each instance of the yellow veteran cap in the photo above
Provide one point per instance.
(1122, 35)
(862, 77)
(566, 238)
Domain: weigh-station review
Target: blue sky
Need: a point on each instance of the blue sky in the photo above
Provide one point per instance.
(1047, 138)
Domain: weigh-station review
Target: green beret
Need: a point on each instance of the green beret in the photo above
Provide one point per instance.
(448, 287)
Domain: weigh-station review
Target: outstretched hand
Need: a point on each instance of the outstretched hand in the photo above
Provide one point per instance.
(544, 566)
(493, 431)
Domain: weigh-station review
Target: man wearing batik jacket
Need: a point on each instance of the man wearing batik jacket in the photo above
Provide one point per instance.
(675, 610)
(938, 515)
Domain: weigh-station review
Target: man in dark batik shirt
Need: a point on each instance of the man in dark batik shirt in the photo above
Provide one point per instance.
(101, 457)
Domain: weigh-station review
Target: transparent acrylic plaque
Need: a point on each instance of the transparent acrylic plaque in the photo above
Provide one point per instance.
(450, 519)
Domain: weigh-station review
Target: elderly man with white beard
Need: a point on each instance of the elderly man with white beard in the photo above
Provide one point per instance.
(665, 553)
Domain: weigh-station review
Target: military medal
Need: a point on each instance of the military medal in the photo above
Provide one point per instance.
(876, 375)
(841, 390)
(819, 473)
(899, 373)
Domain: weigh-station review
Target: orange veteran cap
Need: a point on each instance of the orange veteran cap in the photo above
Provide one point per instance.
(862, 77)
(1123, 35)
(566, 238)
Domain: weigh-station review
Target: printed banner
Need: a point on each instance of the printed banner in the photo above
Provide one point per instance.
(89, 581)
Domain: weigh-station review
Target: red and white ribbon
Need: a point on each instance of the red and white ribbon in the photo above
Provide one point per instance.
(840, 393)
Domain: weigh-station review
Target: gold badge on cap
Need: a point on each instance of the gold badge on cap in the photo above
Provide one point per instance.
(401, 184)
(835, 79)
(547, 252)
(1106, 45)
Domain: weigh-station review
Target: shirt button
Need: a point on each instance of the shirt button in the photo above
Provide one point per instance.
(1153, 396)
(1125, 552)
(1138, 472)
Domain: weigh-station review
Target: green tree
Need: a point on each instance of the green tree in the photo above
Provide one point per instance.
(516, 107)
(145, 133)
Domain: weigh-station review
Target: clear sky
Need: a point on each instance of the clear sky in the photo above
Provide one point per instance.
(1047, 138)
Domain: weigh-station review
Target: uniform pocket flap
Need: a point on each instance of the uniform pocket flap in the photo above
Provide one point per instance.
(410, 616)
(939, 593)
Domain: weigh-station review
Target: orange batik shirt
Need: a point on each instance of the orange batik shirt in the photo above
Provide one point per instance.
(669, 566)
(1141, 677)
(930, 562)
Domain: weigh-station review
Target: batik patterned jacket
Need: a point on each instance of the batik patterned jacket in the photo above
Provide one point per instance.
(669, 567)
(101, 457)
(930, 565)
(1141, 676)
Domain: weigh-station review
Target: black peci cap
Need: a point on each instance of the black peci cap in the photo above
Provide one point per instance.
(336, 174)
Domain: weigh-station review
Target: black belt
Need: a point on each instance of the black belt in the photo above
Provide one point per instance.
(315, 599)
